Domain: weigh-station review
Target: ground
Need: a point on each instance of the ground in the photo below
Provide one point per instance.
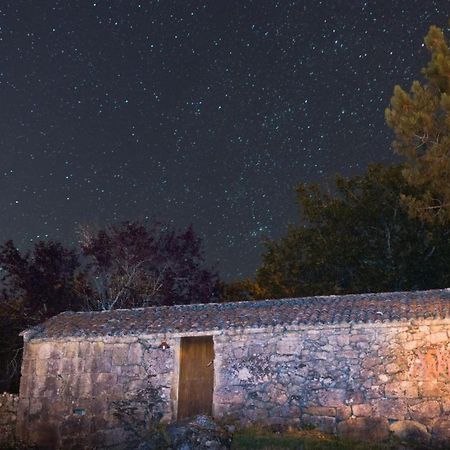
(264, 439)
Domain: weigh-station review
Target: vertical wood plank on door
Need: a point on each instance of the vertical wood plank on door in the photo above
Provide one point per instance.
(196, 384)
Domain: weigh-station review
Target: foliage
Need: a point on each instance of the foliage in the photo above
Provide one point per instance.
(35, 285)
(132, 265)
(358, 240)
(421, 123)
(242, 290)
(45, 279)
(10, 345)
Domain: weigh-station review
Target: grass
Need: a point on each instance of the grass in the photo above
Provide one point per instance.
(261, 439)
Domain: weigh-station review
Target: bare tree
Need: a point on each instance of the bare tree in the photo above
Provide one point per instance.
(131, 265)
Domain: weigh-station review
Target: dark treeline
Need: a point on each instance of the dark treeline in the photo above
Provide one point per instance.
(361, 239)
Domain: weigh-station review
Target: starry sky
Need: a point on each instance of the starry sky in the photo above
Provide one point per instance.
(202, 112)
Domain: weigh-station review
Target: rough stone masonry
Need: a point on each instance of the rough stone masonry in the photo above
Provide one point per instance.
(8, 416)
(358, 365)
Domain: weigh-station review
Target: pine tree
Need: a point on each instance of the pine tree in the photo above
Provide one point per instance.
(421, 123)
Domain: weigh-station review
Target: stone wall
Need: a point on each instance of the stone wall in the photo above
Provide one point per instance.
(80, 393)
(361, 381)
(8, 415)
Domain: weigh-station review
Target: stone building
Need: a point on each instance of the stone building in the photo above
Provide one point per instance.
(359, 365)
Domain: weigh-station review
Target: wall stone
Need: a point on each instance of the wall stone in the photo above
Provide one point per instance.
(76, 394)
(8, 416)
(361, 381)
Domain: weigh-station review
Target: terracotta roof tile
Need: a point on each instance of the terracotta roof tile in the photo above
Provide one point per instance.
(357, 308)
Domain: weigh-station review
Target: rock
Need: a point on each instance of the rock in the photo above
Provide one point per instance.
(402, 389)
(177, 432)
(185, 447)
(343, 412)
(409, 430)
(392, 368)
(152, 444)
(364, 428)
(433, 388)
(323, 423)
(355, 397)
(205, 422)
(332, 397)
(392, 409)
(383, 378)
(437, 338)
(425, 410)
(320, 411)
(198, 433)
(287, 347)
(244, 374)
(441, 431)
(362, 410)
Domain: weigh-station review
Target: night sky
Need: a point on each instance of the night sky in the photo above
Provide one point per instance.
(202, 112)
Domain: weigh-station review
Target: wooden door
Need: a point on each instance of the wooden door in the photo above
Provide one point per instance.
(196, 385)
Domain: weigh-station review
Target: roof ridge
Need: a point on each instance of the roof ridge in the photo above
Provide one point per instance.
(261, 301)
(330, 309)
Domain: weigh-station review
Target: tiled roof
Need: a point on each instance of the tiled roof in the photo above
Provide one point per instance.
(358, 308)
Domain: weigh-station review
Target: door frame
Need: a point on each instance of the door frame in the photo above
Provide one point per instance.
(176, 371)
